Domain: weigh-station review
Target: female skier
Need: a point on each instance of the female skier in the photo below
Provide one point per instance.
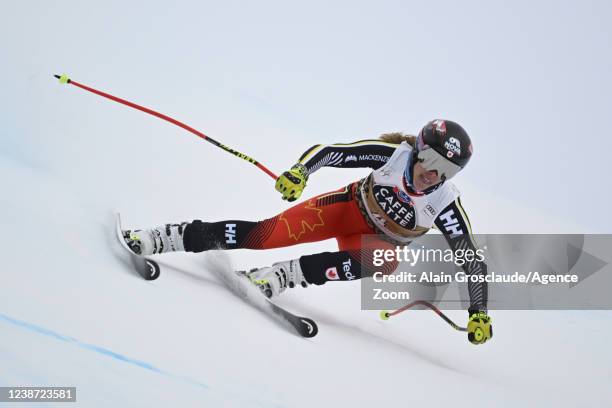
(406, 194)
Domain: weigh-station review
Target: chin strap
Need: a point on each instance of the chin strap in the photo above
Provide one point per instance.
(409, 168)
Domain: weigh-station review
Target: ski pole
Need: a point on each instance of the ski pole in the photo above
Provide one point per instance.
(63, 79)
(385, 315)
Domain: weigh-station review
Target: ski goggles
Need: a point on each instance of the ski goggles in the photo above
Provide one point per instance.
(430, 159)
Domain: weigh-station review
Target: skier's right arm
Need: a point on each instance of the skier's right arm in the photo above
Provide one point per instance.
(373, 153)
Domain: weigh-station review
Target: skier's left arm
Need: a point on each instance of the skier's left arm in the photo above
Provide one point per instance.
(454, 223)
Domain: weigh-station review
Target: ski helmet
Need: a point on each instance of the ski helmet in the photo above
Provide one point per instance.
(444, 146)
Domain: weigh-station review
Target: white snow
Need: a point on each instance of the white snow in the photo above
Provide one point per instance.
(73, 313)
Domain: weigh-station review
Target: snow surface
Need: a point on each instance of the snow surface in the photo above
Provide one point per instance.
(73, 313)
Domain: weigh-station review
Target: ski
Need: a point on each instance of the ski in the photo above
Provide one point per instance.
(305, 326)
(147, 268)
(240, 284)
(237, 282)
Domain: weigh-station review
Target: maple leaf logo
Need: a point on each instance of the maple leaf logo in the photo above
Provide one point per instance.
(309, 218)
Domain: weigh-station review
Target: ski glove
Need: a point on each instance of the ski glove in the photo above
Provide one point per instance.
(479, 328)
(291, 183)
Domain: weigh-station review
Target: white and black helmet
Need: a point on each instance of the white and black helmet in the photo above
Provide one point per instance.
(444, 146)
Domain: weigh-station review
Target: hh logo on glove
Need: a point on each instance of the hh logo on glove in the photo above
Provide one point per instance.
(479, 328)
(291, 183)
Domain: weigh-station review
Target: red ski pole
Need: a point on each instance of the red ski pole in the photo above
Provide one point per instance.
(63, 79)
(385, 315)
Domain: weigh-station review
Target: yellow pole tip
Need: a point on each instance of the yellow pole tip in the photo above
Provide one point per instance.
(64, 79)
(384, 315)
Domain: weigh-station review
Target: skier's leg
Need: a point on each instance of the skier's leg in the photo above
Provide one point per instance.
(355, 256)
(322, 217)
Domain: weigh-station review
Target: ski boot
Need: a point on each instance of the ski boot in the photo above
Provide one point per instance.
(167, 238)
(273, 280)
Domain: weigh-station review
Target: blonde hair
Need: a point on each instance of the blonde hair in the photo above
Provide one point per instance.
(398, 137)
